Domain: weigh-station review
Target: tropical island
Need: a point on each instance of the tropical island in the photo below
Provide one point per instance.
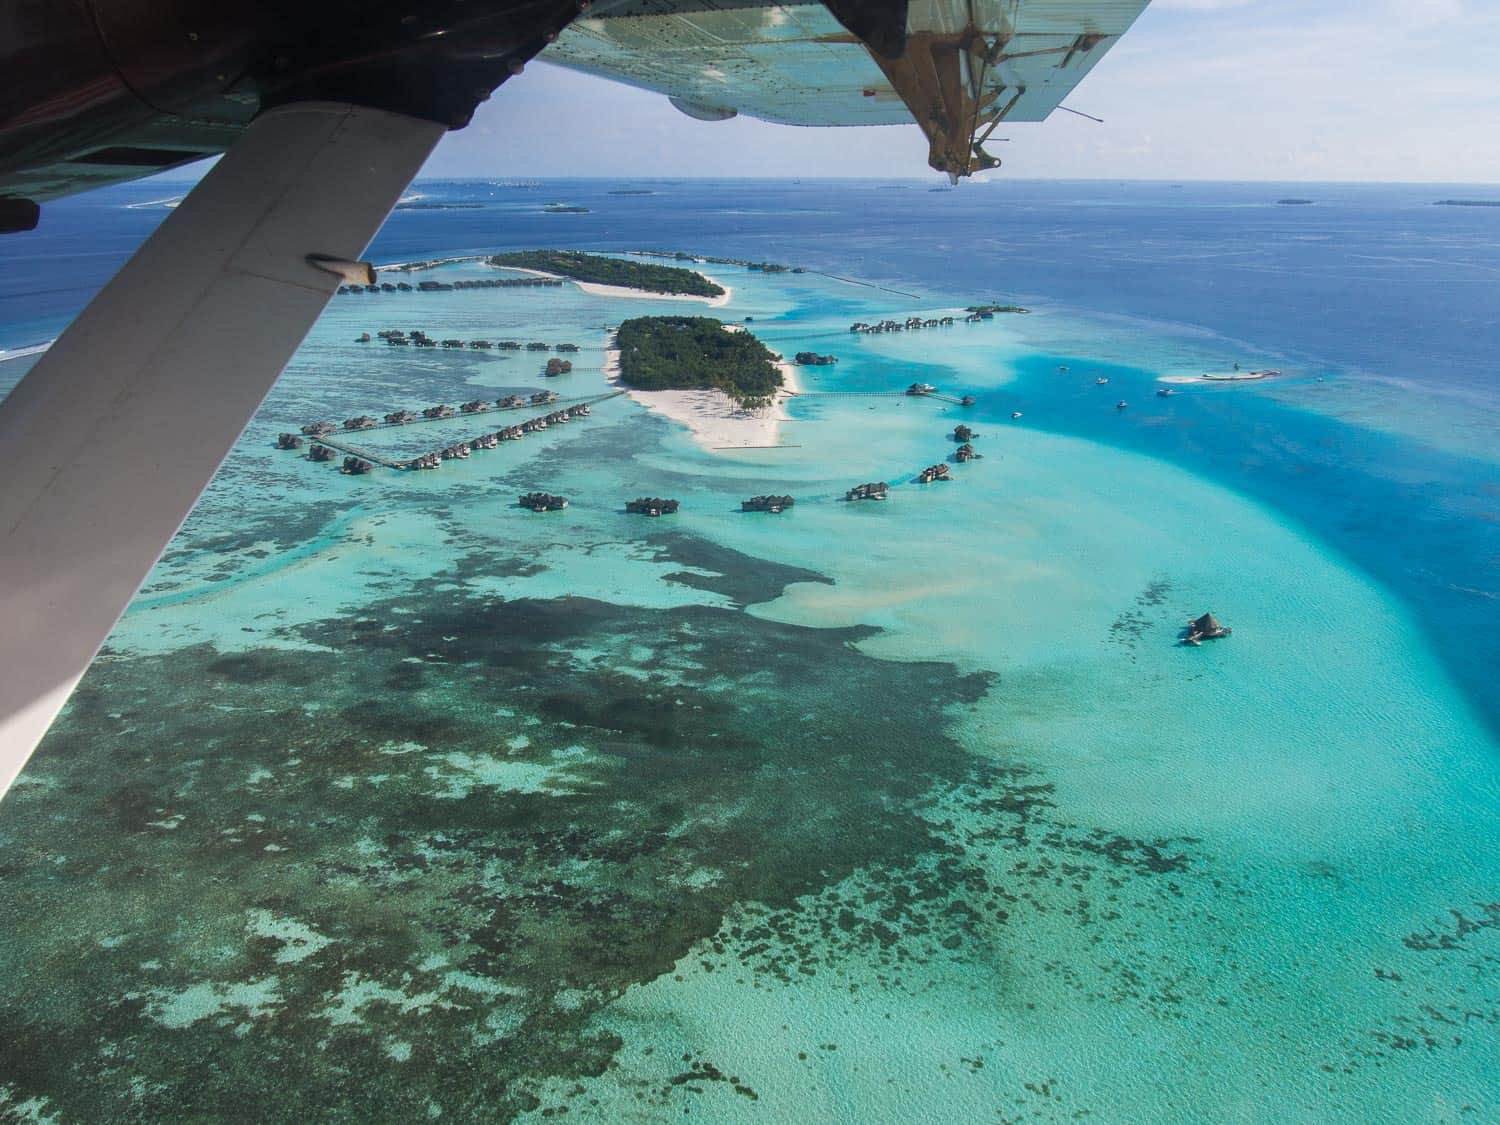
(1467, 203)
(599, 270)
(665, 353)
(715, 379)
(744, 263)
(981, 310)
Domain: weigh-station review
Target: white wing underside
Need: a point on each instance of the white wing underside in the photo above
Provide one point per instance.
(797, 65)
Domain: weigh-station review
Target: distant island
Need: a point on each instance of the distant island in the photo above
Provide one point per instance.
(632, 191)
(982, 310)
(1467, 203)
(564, 209)
(660, 353)
(611, 271)
(438, 206)
(1293, 202)
(745, 263)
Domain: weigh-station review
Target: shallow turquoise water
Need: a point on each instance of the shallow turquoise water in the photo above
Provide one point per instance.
(910, 811)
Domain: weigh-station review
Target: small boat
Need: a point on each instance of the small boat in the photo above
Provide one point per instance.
(1099, 382)
(1121, 405)
(1062, 367)
(1165, 392)
(1014, 414)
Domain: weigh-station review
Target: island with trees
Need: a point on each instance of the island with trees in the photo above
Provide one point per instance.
(659, 353)
(600, 270)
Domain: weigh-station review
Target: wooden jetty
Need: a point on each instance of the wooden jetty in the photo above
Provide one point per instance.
(353, 451)
(478, 443)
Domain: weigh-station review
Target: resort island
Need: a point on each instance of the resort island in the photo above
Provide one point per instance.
(715, 378)
(599, 270)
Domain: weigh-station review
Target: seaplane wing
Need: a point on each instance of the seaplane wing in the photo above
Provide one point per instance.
(324, 111)
(956, 68)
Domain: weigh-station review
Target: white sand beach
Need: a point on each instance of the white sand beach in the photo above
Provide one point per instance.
(712, 417)
(598, 290)
(1221, 377)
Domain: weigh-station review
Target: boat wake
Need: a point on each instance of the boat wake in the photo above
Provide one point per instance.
(22, 353)
(169, 202)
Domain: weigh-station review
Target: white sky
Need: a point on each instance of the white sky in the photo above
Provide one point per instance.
(1375, 90)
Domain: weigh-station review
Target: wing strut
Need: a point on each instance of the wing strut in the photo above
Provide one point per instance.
(108, 441)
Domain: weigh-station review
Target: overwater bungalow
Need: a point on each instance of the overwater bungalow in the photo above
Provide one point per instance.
(538, 346)
(362, 338)
(651, 506)
(400, 417)
(453, 343)
(425, 461)
(355, 466)
(510, 402)
(288, 441)
(557, 367)
(442, 410)
(543, 502)
(962, 433)
(456, 452)
(480, 344)
(363, 422)
(320, 453)
(403, 287)
(870, 490)
(920, 389)
(567, 347)
(967, 400)
(511, 433)
(474, 406)
(486, 441)
(542, 398)
(964, 452)
(1205, 628)
(398, 341)
(579, 410)
(775, 504)
(933, 473)
(508, 345)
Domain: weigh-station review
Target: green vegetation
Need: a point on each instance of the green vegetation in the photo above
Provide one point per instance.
(982, 309)
(611, 271)
(764, 267)
(660, 353)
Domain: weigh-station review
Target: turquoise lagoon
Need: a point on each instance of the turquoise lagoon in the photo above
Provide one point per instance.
(388, 800)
